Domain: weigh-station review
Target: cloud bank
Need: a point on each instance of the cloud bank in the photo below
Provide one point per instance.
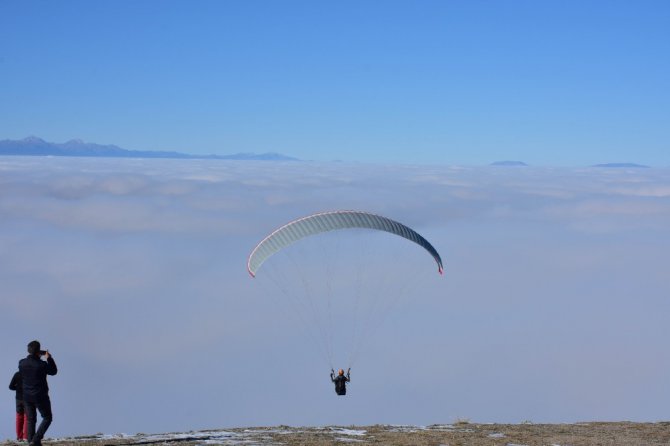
(133, 273)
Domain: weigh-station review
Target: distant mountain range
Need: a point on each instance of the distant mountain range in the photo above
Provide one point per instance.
(621, 165)
(521, 163)
(33, 146)
(509, 163)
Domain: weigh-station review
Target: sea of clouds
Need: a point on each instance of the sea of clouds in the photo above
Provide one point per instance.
(553, 306)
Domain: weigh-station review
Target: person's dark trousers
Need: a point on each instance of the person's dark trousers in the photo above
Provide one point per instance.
(31, 408)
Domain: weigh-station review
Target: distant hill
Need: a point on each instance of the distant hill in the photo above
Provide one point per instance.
(33, 146)
(509, 163)
(621, 165)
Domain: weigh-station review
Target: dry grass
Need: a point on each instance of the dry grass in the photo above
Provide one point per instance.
(458, 434)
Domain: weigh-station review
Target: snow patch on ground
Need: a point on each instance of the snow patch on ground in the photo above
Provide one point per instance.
(219, 437)
(206, 435)
(442, 427)
(259, 436)
(343, 431)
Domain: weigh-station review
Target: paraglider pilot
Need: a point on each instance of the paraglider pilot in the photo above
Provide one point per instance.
(340, 381)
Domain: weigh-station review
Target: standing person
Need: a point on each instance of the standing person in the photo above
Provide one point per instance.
(34, 373)
(16, 384)
(340, 381)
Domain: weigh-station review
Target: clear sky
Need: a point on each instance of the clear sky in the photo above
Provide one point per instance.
(470, 82)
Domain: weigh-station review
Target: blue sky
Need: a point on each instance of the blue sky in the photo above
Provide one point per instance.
(549, 83)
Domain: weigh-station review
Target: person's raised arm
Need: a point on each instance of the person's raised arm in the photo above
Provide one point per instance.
(51, 364)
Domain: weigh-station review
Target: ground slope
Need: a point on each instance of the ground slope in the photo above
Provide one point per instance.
(472, 434)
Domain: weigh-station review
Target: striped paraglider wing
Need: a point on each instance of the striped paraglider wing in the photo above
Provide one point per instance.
(332, 221)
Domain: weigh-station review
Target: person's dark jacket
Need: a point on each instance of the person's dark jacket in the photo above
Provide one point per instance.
(34, 373)
(16, 384)
(340, 383)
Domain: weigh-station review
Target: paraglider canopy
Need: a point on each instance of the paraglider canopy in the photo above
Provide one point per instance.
(332, 221)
